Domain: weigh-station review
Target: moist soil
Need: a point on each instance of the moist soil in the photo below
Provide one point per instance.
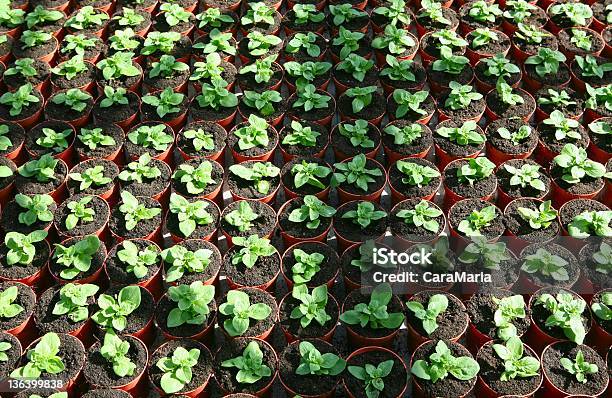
(216, 175)
(587, 185)
(134, 151)
(353, 232)
(353, 273)
(99, 370)
(226, 376)
(593, 80)
(419, 79)
(343, 144)
(573, 269)
(110, 171)
(186, 330)
(430, 24)
(261, 226)
(449, 387)
(314, 115)
(160, 83)
(43, 71)
(35, 52)
(452, 323)
(461, 211)
(604, 324)
(305, 151)
(16, 134)
(378, 183)
(150, 187)
(410, 232)
(29, 185)
(357, 297)
(289, 22)
(101, 151)
(137, 320)
(563, 380)
(256, 328)
(161, 25)
(122, 81)
(13, 353)
(143, 228)
(507, 146)
(444, 79)
(429, 106)
(36, 132)
(209, 272)
(25, 298)
(478, 189)
(246, 189)
(481, 68)
(47, 322)
(218, 133)
(99, 206)
(266, 269)
(97, 261)
(106, 393)
(553, 79)
(589, 265)
(201, 371)
(503, 110)
(329, 266)
(209, 114)
(516, 191)
(116, 112)
(499, 46)
(373, 111)
(149, 112)
(201, 231)
(521, 228)
(492, 367)
(452, 148)
(232, 142)
(116, 269)
(310, 385)
(549, 42)
(547, 136)
(481, 310)
(26, 111)
(473, 111)
(424, 142)
(82, 79)
(63, 112)
(347, 79)
(279, 109)
(576, 207)
(19, 271)
(565, 42)
(413, 191)
(6, 181)
(314, 329)
(395, 382)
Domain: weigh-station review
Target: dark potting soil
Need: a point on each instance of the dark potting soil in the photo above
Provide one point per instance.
(478, 189)
(357, 297)
(505, 277)
(501, 109)
(586, 185)
(116, 269)
(216, 175)
(123, 81)
(599, 279)
(97, 260)
(540, 314)
(261, 226)
(299, 230)
(424, 142)
(314, 329)
(266, 268)
(289, 22)
(602, 141)
(507, 146)
(347, 79)
(572, 268)
(16, 134)
(472, 23)
(350, 230)
(43, 71)
(538, 17)
(135, 151)
(451, 323)
(36, 132)
(481, 310)
(306, 384)
(521, 228)
(565, 42)
(303, 56)
(300, 150)
(492, 367)
(314, 115)
(599, 10)
(99, 206)
(356, 24)
(101, 151)
(449, 387)
(201, 372)
(209, 114)
(395, 382)
(149, 112)
(232, 142)
(419, 79)
(548, 41)
(6, 46)
(329, 266)
(429, 106)
(19, 271)
(343, 144)
(473, 110)
(547, 136)
(143, 228)
(462, 210)
(13, 353)
(553, 79)
(226, 376)
(106, 393)
(563, 380)
(444, 79)
(451, 147)
(209, 272)
(25, 298)
(116, 112)
(499, 46)
(137, 320)
(35, 52)
(243, 49)
(563, 21)
(6, 181)
(135, 4)
(160, 83)
(113, 24)
(150, 187)
(47, 3)
(373, 111)
(593, 80)
(431, 46)
(411, 232)
(413, 191)
(604, 324)
(111, 170)
(375, 186)
(29, 185)
(47, 322)
(516, 191)
(64, 112)
(43, 392)
(481, 68)
(82, 79)
(256, 296)
(201, 231)
(99, 371)
(26, 111)
(364, 49)
(186, 330)
(430, 24)
(279, 109)
(218, 133)
(574, 208)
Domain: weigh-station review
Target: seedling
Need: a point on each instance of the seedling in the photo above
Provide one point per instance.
(579, 367)
(372, 376)
(395, 14)
(79, 212)
(242, 218)
(306, 72)
(118, 65)
(500, 66)
(578, 14)
(508, 309)
(365, 261)
(260, 44)
(92, 138)
(355, 172)
(42, 358)
(213, 17)
(405, 135)
(374, 314)
(93, 176)
(166, 102)
(192, 303)
(482, 11)
(365, 214)
(546, 61)
(196, 179)
(345, 13)
(200, 139)
(251, 365)
(591, 223)
(423, 215)
(5, 142)
(77, 257)
(151, 136)
(114, 96)
(208, 70)
(8, 309)
(303, 41)
(581, 39)
(312, 362)
(600, 96)
(490, 255)
(601, 128)
(137, 261)
(70, 68)
(22, 98)
(461, 96)
(309, 173)
(252, 248)
(36, 208)
(114, 310)
(11, 17)
(161, 42)
(115, 351)
(311, 306)
(394, 40)
(240, 310)
(477, 220)
(530, 34)
(190, 214)
(133, 211)
(177, 369)
(300, 135)
(516, 364)
(603, 259)
(348, 41)
(516, 137)
(305, 13)
(433, 11)
(217, 41)
(409, 102)
(23, 67)
(576, 165)
(450, 63)
(86, 17)
(21, 247)
(264, 102)
(547, 264)
(518, 10)
(540, 218)
(128, 17)
(34, 38)
(602, 309)
(4, 346)
(259, 174)
(357, 133)
(254, 134)
(398, 70)
(261, 69)
(312, 211)
(73, 98)
(174, 14)
(442, 363)
(483, 36)
(476, 169)
(308, 98)
(556, 98)
(356, 66)
(42, 169)
(590, 68)
(527, 176)
(140, 170)
(437, 304)
(464, 135)
(506, 93)
(167, 66)
(124, 40)
(258, 14)
(564, 127)
(73, 301)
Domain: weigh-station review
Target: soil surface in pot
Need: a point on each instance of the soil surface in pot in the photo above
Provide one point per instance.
(116, 269)
(516, 191)
(25, 298)
(462, 210)
(137, 319)
(481, 310)
(261, 226)
(97, 261)
(216, 175)
(479, 188)
(350, 230)
(419, 145)
(143, 228)
(256, 296)
(507, 146)
(186, 330)
(99, 206)
(20, 271)
(451, 323)
(329, 266)
(30, 186)
(109, 170)
(409, 231)
(264, 270)
(314, 329)
(539, 314)
(395, 382)
(356, 297)
(101, 151)
(521, 228)
(218, 133)
(36, 132)
(288, 176)
(201, 231)
(99, 370)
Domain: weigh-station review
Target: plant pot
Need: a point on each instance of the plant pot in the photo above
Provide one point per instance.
(290, 337)
(264, 157)
(599, 337)
(387, 352)
(450, 197)
(560, 196)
